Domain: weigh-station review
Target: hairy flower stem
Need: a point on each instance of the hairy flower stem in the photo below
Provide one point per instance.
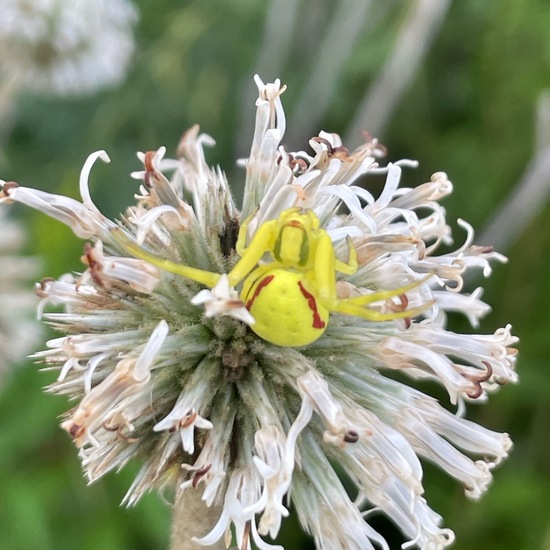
(192, 518)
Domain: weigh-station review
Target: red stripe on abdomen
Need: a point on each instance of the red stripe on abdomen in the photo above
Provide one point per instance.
(317, 321)
(261, 285)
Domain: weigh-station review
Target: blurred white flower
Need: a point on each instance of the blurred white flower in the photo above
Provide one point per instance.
(65, 47)
(210, 406)
(19, 330)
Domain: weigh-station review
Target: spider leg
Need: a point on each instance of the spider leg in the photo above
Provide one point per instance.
(351, 267)
(207, 278)
(241, 247)
(261, 243)
(324, 269)
(385, 294)
(357, 306)
(346, 308)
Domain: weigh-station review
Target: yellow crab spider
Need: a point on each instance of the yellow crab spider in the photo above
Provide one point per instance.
(292, 295)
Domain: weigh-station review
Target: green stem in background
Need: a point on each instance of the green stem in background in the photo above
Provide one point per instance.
(192, 518)
(409, 50)
(527, 199)
(8, 91)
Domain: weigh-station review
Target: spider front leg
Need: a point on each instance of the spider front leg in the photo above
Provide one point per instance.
(241, 238)
(207, 278)
(251, 255)
(261, 243)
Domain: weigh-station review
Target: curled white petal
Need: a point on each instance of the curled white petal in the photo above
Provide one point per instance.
(85, 174)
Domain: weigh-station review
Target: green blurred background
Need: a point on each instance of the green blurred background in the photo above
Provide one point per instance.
(470, 109)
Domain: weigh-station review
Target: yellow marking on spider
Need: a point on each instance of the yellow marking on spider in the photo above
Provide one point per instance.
(292, 295)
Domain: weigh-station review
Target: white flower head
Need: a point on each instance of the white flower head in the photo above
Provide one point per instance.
(243, 353)
(65, 48)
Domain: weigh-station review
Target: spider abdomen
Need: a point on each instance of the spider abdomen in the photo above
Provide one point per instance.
(286, 308)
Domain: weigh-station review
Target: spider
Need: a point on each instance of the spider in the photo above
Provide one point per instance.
(292, 295)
